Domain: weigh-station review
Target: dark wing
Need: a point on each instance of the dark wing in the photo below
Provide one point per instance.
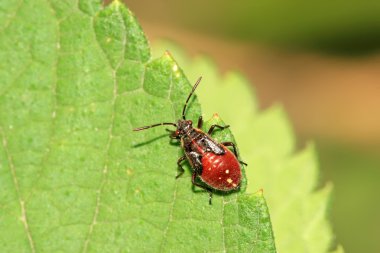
(213, 146)
(199, 141)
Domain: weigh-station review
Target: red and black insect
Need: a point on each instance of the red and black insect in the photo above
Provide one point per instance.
(212, 162)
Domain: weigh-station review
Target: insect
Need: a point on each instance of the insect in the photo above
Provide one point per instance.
(212, 162)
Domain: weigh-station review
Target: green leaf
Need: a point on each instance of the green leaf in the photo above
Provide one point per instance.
(76, 78)
(267, 143)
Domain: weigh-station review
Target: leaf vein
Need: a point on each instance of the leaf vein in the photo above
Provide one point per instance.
(13, 17)
(222, 223)
(18, 75)
(54, 109)
(107, 149)
(176, 182)
(12, 168)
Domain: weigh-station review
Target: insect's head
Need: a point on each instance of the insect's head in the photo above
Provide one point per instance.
(182, 124)
(182, 127)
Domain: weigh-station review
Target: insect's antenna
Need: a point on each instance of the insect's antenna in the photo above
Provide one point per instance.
(159, 124)
(188, 98)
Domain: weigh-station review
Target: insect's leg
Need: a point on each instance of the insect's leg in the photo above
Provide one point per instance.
(231, 144)
(213, 127)
(201, 186)
(172, 134)
(181, 170)
(196, 161)
(200, 122)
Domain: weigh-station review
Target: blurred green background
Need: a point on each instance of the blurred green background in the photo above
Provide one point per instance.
(321, 60)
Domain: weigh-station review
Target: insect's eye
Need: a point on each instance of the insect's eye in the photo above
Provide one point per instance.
(175, 134)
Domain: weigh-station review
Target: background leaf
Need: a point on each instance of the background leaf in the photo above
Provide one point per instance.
(76, 78)
(267, 143)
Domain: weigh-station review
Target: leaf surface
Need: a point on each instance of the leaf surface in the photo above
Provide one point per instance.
(76, 78)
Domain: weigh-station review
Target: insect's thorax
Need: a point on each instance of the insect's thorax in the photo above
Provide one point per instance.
(196, 140)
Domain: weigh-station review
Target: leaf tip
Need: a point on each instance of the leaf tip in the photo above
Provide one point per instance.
(215, 116)
(260, 192)
(114, 4)
(175, 68)
(339, 249)
(168, 54)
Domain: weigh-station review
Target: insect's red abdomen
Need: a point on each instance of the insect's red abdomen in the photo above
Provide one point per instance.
(221, 172)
